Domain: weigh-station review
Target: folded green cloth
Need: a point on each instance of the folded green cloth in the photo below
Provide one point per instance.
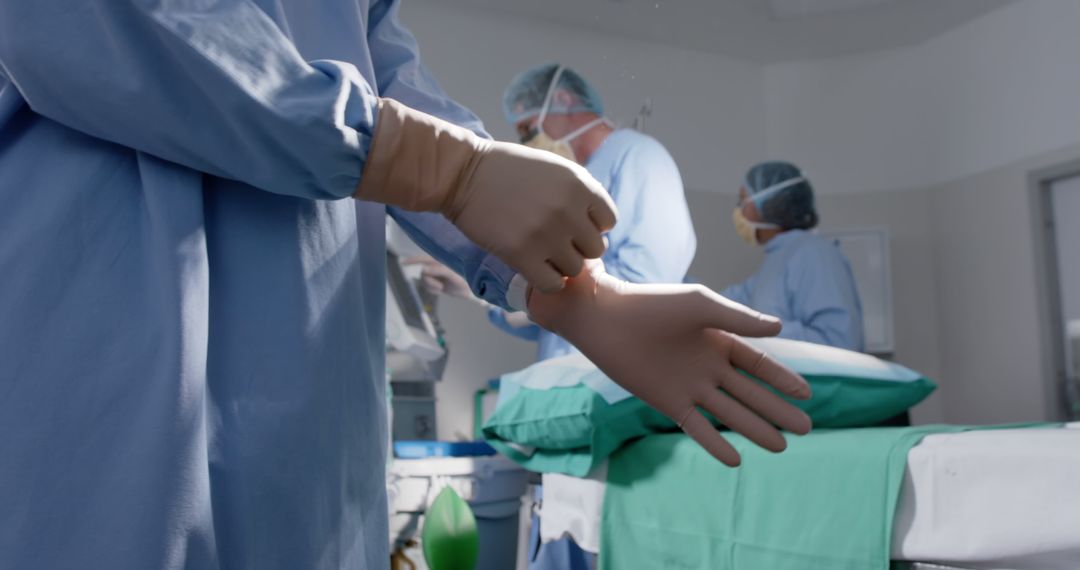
(827, 503)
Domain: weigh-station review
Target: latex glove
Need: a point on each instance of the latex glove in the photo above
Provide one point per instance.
(439, 279)
(674, 347)
(541, 214)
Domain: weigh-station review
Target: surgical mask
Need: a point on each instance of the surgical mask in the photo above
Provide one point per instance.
(747, 229)
(541, 140)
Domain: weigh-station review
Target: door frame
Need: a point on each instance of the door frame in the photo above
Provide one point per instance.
(1048, 283)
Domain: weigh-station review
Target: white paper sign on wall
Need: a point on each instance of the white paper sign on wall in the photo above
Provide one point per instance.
(868, 252)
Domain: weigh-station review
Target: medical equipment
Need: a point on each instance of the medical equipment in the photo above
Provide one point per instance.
(644, 113)
(415, 350)
(449, 535)
(494, 489)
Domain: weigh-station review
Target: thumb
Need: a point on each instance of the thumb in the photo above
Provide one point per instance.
(727, 315)
(602, 210)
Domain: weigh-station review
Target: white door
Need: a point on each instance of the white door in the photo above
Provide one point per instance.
(1065, 213)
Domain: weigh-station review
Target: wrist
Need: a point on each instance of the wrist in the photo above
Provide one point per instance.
(416, 161)
(576, 299)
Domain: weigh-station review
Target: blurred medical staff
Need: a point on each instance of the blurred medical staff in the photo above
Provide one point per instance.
(554, 108)
(804, 279)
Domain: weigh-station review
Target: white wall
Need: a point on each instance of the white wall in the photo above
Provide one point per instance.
(991, 325)
(1000, 88)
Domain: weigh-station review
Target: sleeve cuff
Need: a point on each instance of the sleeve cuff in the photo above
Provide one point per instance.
(516, 293)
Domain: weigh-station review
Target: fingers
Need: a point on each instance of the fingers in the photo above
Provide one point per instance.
(765, 404)
(543, 277)
(700, 430)
(768, 370)
(589, 242)
(740, 419)
(568, 262)
(722, 313)
(602, 211)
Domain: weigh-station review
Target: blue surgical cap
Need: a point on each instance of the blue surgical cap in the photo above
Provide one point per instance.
(525, 94)
(782, 194)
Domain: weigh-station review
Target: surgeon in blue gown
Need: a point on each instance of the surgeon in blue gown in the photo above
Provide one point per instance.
(191, 320)
(805, 279)
(554, 108)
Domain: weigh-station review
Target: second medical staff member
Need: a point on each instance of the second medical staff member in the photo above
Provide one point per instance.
(805, 279)
(554, 108)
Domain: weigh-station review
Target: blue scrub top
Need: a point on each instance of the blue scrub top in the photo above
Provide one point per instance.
(191, 308)
(653, 241)
(807, 283)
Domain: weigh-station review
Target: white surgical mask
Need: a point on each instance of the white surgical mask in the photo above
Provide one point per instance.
(747, 229)
(543, 141)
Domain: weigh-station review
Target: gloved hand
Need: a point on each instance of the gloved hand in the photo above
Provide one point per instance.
(674, 347)
(439, 279)
(541, 214)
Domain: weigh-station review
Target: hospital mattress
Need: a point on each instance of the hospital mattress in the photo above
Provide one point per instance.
(999, 499)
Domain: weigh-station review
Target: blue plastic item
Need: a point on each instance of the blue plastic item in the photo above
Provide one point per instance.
(422, 449)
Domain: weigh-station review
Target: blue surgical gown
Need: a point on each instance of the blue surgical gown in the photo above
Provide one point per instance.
(807, 283)
(653, 241)
(191, 310)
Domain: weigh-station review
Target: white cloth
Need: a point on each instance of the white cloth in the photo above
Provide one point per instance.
(992, 499)
(572, 507)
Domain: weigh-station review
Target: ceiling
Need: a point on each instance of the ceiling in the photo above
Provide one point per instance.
(765, 31)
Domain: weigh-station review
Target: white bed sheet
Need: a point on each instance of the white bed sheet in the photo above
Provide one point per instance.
(998, 499)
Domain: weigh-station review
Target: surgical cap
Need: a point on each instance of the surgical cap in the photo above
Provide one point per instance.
(791, 207)
(525, 94)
